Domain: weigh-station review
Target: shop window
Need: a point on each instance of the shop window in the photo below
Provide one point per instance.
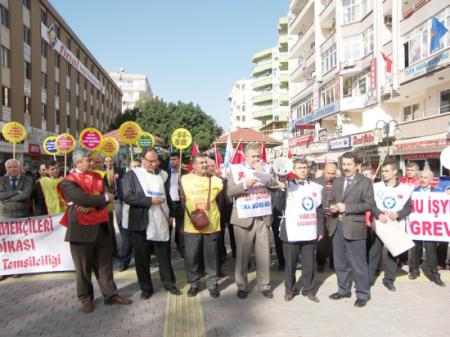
(445, 101)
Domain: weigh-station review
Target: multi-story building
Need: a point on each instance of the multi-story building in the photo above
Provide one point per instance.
(241, 114)
(133, 86)
(51, 83)
(357, 65)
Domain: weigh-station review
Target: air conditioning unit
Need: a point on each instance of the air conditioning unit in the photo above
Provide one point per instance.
(349, 63)
(388, 20)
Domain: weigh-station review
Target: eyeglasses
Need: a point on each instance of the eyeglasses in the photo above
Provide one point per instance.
(150, 161)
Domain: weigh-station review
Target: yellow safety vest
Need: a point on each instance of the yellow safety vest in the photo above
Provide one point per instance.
(53, 201)
(196, 191)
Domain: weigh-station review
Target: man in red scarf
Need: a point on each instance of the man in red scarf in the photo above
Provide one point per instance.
(86, 219)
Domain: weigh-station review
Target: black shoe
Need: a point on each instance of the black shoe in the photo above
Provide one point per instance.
(267, 293)
(437, 280)
(360, 303)
(289, 296)
(242, 294)
(123, 268)
(173, 290)
(312, 297)
(145, 295)
(337, 296)
(215, 293)
(193, 291)
(390, 286)
(413, 276)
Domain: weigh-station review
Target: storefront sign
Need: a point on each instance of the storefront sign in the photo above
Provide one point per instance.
(322, 112)
(425, 146)
(300, 140)
(319, 147)
(426, 66)
(365, 139)
(419, 156)
(340, 143)
(34, 149)
(322, 134)
(372, 94)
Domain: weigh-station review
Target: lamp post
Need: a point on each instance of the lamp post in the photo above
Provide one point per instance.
(388, 132)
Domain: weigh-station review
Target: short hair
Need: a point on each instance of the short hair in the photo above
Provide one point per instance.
(427, 171)
(350, 155)
(175, 154)
(50, 162)
(330, 163)
(391, 163)
(301, 161)
(412, 164)
(199, 155)
(11, 161)
(252, 146)
(366, 167)
(147, 150)
(79, 154)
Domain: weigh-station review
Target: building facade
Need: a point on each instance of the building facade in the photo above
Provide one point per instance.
(361, 76)
(240, 100)
(133, 86)
(51, 83)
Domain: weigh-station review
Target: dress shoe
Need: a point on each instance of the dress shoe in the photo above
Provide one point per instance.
(193, 291)
(390, 286)
(87, 307)
(242, 294)
(117, 300)
(214, 292)
(437, 280)
(360, 302)
(413, 274)
(312, 297)
(173, 290)
(289, 296)
(145, 295)
(337, 296)
(267, 293)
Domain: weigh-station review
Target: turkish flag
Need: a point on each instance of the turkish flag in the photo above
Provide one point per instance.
(291, 175)
(219, 160)
(193, 153)
(239, 156)
(263, 152)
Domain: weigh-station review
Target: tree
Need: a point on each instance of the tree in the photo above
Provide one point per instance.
(127, 116)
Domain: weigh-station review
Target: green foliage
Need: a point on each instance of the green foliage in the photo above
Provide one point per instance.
(127, 116)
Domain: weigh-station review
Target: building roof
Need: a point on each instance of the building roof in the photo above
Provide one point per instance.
(247, 136)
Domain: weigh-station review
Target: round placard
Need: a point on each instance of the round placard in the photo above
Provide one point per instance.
(109, 147)
(65, 143)
(181, 139)
(146, 140)
(129, 132)
(49, 146)
(14, 132)
(90, 138)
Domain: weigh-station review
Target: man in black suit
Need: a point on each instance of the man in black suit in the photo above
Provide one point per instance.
(352, 197)
(88, 232)
(143, 190)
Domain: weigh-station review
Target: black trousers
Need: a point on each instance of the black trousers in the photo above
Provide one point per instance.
(324, 248)
(177, 211)
(195, 244)
(442, 248)
(279, 247)
(350, 253)
(307, 251)
(161, 249)
(430, 253)
(375, 255)
(94, 257)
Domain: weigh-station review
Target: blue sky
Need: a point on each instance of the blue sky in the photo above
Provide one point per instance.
(191, 50)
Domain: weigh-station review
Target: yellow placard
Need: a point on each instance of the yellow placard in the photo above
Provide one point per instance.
(14, 132)
(129, 132)
(109, 147)
(90, 138)
(181, 139)
(65, 143)
(49, 146)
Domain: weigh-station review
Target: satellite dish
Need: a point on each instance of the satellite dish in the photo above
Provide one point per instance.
(445, 158)
(282, 166)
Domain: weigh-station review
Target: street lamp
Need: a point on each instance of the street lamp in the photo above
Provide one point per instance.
(384, 130)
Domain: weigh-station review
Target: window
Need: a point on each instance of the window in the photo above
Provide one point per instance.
(27, 70)
(368, 41)
(303, 108)
(327, 95)
(6, 96)
(57, 60)
(358, 46)
(43, 80)
(68, 95)
(357, 85)
(43, 111)
(445, 101)
(43, 48)
(68, 69)
(69, 43)
(4, 16)
(44, 17)
(329, 59)
(27, 35)
(68, 122)
(57, 88)
(27, 105)
(243, 118)
(354, 10)
(26, 4)
(238, 118)
(6, 57)
(410, 112)
(57, 117)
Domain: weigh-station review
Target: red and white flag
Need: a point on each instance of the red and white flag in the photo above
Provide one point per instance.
(193, 153)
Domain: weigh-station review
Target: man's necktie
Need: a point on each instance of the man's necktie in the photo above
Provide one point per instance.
(14, 183)
(346, 185)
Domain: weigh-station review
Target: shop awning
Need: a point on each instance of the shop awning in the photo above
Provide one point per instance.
(424, 144)
(329, 157)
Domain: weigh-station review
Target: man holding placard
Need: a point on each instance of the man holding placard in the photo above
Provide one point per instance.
(393, 203)
(252, 217)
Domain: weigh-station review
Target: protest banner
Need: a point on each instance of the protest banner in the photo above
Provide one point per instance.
(430, 217)
(34, 245)
(90, 138)
(109, 147)
(14, 133)
(65, 143)
(129, 133)
(49, 146)
(181, 140)
(393, 235)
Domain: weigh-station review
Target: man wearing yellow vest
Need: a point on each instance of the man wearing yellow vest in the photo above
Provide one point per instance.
(199, 192)
(47, 200)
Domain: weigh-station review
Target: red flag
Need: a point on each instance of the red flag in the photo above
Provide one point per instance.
(263, 152)
(289, 153)
(219, 160)
(193, 153)
(388, 63)
(291, 174)
(239, 156)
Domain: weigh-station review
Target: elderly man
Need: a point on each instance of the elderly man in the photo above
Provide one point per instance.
(425, 179)
(252, 217)
(148, 222)
(199, 191)
(47, 200)
(88, 232)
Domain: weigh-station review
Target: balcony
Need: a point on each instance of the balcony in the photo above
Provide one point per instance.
(303, 44)
(283, 62)
(263, 114)
(283, 25)
(263, 99)
(328, 43)
(283, 43)
(305, 68)
(264, 54)
(304, 18)
(328, 14)
(264, 82)
(262, 69)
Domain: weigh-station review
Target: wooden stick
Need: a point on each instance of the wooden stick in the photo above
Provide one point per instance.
(65, 164)
(131, 153)
(14, 150)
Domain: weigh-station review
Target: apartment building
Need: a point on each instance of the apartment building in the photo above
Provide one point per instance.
(133, 86)
(51, 83)
(240, 100)
(361, 75)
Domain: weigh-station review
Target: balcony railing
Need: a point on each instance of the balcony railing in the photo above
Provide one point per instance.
(419, 115)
